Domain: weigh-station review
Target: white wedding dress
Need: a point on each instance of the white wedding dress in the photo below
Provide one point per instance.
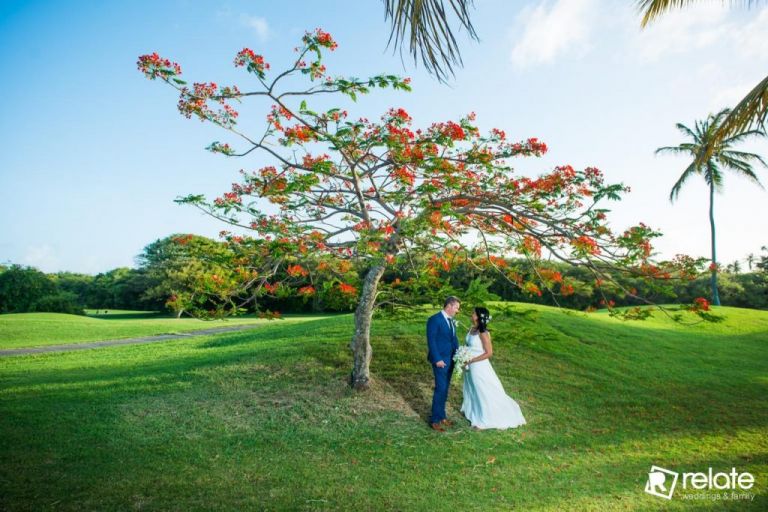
(485, 404)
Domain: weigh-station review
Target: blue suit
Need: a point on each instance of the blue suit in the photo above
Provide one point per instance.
(442, 345)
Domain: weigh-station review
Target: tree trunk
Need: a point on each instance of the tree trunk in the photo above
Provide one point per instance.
(179, 313)
(713, 275)
(361, 341)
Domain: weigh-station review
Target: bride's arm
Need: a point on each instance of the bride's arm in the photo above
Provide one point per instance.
(485, 337)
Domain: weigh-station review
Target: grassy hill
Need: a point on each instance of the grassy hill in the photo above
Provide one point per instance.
(263, 420)
(23, 330)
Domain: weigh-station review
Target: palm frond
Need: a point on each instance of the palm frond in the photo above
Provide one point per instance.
(744, 156)
(427, 26)
(652, 9)
(713, 176)
(742, 168)
(676, 149)
(690, 171)
(686, 131)
(739, 137)
(749, 114)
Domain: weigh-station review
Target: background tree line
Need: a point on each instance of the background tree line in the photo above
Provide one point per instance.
(173, 271)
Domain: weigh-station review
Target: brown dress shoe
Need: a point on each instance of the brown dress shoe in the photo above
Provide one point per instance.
(438, 427)
(447, 423)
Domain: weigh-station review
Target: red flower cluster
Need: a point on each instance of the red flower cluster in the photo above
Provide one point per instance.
(347, 289)
(586, 244)
(404, 175)
(701, 304)
(229, 198)
(299, 132)
(297, 271)
(361, 226)
(337, 115)
(254, 63)
(537, 147)
(183, 239)
(531, 246)
(307, 291)
(454, 131)
(309, 161)
(320, 38)
(531, 147)
(399, 115)
(532, 289)
(316, 70)
(195, 102)
(153, 66)
(551, 275)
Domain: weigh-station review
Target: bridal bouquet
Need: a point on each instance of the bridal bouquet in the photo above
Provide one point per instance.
(461, 358)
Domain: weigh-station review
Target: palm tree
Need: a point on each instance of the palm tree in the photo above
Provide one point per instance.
(428, 23)
(721, 157)
(751, 112)
(750, 260)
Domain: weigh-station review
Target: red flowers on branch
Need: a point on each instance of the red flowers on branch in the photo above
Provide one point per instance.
(253, 63)
(153, 66)
(297, 271)
(701, 304)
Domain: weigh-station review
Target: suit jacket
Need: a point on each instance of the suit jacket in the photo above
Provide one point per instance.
(442, 343)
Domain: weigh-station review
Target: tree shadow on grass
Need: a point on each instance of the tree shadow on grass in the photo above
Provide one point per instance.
(129, 316)
(566, 385)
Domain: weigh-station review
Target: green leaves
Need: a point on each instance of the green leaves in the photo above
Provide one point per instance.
(193, 199)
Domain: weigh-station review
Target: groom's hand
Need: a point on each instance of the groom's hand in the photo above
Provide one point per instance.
(440, 364)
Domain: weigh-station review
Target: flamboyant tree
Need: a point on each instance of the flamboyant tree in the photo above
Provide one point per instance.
(355, 196)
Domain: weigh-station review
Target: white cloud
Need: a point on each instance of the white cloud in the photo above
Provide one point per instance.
(553, 29)
(41, 257)
(729, 96)
(258, 24)
(752, 39)
(683, 30)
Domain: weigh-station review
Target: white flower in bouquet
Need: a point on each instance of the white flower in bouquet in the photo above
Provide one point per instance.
(460, 359)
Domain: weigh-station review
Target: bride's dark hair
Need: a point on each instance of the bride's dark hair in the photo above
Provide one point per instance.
(483, 317)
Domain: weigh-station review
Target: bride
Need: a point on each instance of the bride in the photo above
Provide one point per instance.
(486, 405)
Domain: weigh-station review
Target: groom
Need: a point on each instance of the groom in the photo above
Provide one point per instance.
(442, 344)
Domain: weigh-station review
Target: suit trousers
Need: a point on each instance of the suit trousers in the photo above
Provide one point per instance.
(440, 397)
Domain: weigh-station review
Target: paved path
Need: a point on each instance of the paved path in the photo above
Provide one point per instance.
(126, 341)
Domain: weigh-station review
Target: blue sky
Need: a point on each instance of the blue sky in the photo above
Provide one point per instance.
(92, 154)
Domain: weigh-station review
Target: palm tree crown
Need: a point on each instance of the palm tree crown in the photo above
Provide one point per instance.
(722, 156)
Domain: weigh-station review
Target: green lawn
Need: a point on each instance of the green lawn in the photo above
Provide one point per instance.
(24, 330)
(263, 420)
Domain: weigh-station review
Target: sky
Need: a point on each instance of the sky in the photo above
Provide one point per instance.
(92, 154)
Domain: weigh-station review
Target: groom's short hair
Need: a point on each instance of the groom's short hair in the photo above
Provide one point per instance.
(450, 300)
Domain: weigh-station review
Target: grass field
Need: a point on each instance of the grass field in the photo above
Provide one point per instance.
(40, 329)
(263, 420)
